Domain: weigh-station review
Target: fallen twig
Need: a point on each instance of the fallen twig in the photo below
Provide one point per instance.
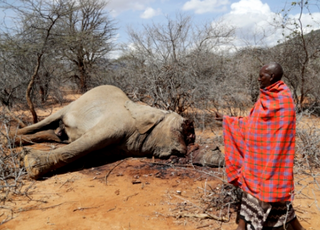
(168, 164)
(131, 196)
(205, 214)
(80, 209)
(68, 180)
(6, 220)
(106, 177)
(36, 208)
(203, 226)
(111, 209)
(200, 216)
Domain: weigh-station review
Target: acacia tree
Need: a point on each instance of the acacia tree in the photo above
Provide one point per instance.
(47, 38)
(299, 53)
(32, 39)
(86, 37)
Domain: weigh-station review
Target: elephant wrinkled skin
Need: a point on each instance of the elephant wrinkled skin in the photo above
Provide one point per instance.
(102, 117)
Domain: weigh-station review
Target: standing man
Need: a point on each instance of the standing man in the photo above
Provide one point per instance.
(259, 154)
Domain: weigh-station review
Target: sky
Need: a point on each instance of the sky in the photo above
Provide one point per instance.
(251, 18)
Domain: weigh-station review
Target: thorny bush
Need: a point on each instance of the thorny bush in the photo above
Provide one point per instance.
(11, 170)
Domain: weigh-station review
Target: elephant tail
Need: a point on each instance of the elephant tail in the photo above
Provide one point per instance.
(51, 122)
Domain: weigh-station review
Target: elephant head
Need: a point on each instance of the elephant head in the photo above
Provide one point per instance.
(164, 133)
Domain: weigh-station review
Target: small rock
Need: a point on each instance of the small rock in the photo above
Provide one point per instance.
(136, 181)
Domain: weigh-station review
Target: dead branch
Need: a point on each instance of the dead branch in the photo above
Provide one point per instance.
(106, 177)
(37, 208)
(131, 196)
(111, 209)
(80, 208)
(205, 214)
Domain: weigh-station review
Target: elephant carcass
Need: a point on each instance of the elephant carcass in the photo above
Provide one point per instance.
(102, 117)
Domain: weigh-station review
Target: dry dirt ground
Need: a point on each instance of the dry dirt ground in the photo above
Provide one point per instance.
(132, 194)
(135, 194)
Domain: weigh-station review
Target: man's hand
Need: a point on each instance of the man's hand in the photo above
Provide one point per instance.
(219, 116)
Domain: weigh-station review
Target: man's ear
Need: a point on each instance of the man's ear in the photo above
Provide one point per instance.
(272, 77)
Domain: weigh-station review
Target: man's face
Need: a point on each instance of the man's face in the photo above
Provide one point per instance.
(265, 79)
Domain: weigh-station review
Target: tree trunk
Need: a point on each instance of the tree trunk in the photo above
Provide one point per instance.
(83, 78)
(29, 89)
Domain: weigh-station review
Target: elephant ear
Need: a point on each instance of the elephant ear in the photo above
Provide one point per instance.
(145, 116)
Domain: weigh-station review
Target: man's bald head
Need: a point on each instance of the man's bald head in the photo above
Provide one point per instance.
(270, 74)
(276, 69)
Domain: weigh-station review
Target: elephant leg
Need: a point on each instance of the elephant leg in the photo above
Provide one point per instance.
(42, 136)
(38, 163)
(51, 122)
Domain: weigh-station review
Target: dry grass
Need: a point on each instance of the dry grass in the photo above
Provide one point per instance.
(215, 203)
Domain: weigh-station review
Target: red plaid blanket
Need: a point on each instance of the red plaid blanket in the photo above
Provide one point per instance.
(259, 149)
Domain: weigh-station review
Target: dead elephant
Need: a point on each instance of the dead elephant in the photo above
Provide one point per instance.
(102, 117)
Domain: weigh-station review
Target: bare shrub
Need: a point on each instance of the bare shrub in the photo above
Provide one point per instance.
(11, 170)
(308, 143)
(175, 65)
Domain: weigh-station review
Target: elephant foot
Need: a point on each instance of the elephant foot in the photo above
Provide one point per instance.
(37, 165)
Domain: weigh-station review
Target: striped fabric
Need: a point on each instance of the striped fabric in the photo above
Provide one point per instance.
(262, 215)
(259, 149)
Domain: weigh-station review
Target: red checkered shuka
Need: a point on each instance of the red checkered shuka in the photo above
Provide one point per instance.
(259, 148)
